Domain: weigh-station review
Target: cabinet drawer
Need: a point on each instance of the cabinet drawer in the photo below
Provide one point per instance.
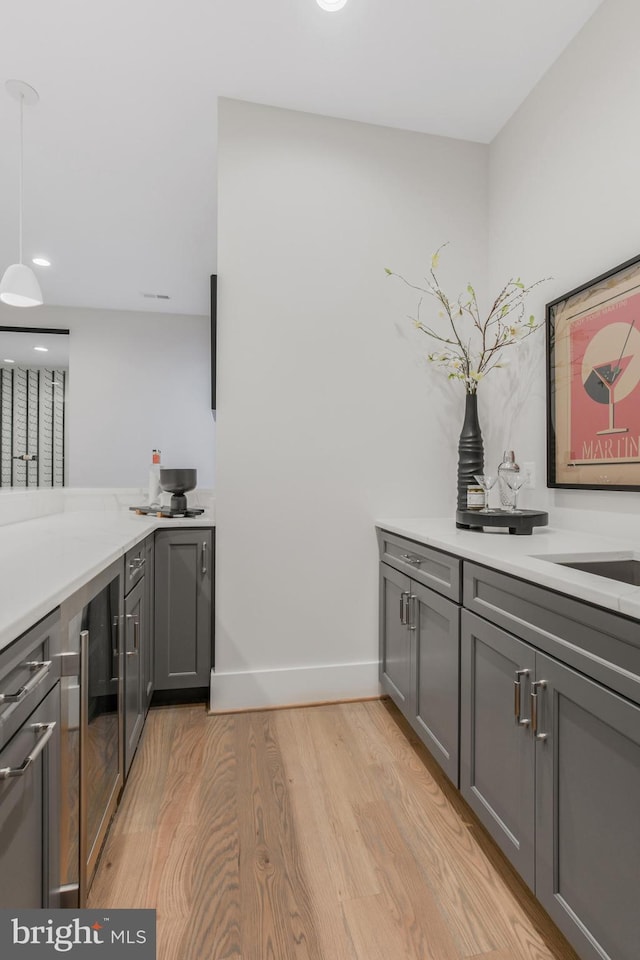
(433, 568)
(28, 799)
(134, 566)
(603, 645)
(28, 669)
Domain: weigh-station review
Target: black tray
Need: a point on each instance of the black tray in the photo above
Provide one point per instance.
(167, 513)
(521, 523)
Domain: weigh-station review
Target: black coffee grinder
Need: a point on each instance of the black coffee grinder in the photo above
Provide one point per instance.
(177, 483)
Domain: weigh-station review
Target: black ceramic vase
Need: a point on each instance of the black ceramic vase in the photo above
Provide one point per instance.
(470, 450)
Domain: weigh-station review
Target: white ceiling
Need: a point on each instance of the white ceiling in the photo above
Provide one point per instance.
(120, 153)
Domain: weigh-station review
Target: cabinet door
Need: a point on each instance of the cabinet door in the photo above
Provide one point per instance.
(148, 636)
(183, 621)
(395, 639)
(497, 756)
(29, 803)
(588, 827)
(134, 658)
(437, 645)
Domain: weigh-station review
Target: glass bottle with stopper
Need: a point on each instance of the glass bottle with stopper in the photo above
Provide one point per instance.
(154, 480)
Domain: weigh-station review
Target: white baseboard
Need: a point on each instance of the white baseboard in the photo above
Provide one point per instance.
(251, 690)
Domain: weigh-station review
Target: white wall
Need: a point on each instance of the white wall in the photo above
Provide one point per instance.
(565, 202)
(136, 381)
(327, 414)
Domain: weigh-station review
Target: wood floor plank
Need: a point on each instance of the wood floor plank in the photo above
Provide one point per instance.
(315, 835)
(338, 775)
(215, 929)
(403, 883)
(121, 880)
(276, 906)
(450, 861)
(376, 934)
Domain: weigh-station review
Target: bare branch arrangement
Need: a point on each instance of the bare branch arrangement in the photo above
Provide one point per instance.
(473, 346)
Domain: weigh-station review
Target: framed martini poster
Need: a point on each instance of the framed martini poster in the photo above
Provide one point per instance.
(593, 383)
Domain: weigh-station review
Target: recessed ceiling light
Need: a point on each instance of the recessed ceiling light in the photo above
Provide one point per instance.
(41, 262)
(6, 360)
(331, 5)
(42, 349)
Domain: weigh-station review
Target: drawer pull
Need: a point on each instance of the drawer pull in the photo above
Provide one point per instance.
(411, 607)
(45, 732)
(136, 634)
(517, 697)
(42, 669)
(538, 684)
(136, 564)
(411, 558)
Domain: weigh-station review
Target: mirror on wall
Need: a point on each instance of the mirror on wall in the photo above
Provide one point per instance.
(34, 377)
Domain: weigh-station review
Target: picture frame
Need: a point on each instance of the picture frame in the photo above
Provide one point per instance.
(593, 383)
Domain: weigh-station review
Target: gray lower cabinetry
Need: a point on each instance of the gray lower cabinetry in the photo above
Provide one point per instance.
(549, 728)
(138, 642)
(148, 656)
(587, 822)
(496, 751)
(29, 765)
(419, 661)
(395, 638)
(29, 805)
(135, 653)
(183, 608)
(550, 763)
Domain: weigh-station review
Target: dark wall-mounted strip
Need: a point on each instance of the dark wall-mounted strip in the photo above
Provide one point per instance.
(33, 330)
(214, 337)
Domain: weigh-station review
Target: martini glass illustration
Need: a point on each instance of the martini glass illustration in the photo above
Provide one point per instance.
(602, 380)
(608, 374)
(486, 481)
(515, 482)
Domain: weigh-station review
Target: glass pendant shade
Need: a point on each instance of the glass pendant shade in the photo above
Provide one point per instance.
(19, 287)
(331, 5)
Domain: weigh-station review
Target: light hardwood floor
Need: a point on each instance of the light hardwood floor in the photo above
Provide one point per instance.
(316, 833)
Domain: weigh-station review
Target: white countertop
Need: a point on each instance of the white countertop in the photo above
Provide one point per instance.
(529, 557)
(44, 561)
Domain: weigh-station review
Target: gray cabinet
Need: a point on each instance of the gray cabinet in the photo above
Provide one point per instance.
(135, 700)
(138, 643)
(183, 608)
(29, 768)
(29, 784)
(587, 823)
(550, 763)
(149, 624)
(419, 654)
(395, 637)
(496, 746)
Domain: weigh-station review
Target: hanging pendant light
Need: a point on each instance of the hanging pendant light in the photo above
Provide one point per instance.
(19, 286)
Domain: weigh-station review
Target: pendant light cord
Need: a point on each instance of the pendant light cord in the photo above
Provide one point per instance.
(20, 176)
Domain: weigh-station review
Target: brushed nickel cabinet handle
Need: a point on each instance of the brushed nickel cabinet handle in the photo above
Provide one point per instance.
(535, 686)
(204, 558)
(404, 607)
(45, 732)
(411, 607)
(136, 634)
(517, 692)
(410, 558)
(42, 669)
